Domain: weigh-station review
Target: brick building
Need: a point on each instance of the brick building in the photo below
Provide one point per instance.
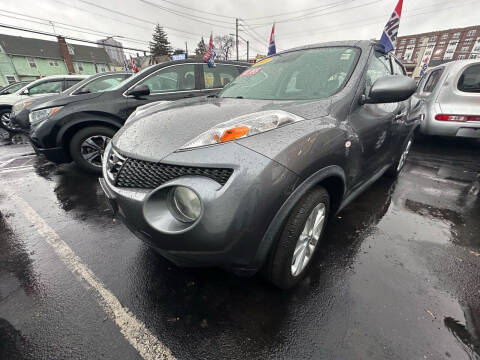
(437, 47)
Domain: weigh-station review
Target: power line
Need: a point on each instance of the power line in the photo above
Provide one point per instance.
(306, 17)
(84, 30)
(367, 22)
(7, 26)
(185, 15)
(200, 11)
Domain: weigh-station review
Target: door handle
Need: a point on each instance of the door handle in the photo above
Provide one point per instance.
(399, 117)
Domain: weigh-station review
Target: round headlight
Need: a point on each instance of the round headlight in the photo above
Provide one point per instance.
(185, 204)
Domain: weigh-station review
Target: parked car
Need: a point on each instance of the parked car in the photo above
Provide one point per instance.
(11, 88)
(78, 128)
(448, 100)
(48, 85)
(19, 117)
(248, 179)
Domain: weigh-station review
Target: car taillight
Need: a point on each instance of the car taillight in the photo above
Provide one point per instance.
(460, 118)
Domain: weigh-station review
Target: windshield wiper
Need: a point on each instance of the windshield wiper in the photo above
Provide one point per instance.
(212, 96)
(238, 97)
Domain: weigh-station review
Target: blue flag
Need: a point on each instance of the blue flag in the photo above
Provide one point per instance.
(389, 35)
(271, 44)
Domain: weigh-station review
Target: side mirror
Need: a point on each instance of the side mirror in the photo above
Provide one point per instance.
(25, 92)
(139, 91)
(390, 89)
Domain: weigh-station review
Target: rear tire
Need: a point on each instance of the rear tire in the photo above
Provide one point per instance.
(285, 266)
(87, 147)
(5, 119)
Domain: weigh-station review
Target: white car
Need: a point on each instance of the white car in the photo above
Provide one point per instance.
(447, 100)
(45, 86)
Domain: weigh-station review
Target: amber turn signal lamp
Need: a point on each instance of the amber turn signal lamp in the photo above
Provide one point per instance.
(234, 133)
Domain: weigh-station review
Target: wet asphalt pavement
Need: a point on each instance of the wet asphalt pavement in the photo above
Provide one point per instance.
(398, 275)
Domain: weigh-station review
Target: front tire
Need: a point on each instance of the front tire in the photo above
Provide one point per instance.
(5, 122)
(291, 258)
(87, 147)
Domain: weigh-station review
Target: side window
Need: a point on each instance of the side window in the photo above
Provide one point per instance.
(470, 79)
(173, 78)
(50, 87)
(397, 68)
(379, 66)
(70, 83)
(432, 81)
(219, 76)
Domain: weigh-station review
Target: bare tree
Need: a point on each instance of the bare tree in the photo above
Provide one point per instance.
(223, 46)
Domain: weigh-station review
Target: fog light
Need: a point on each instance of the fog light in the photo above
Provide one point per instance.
(185, 204)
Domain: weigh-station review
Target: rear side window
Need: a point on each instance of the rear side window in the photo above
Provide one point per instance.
(470, 79)
(219, 76)
(432, 80)
(69, 83)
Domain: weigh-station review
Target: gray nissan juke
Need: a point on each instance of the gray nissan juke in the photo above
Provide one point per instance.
(247, 179)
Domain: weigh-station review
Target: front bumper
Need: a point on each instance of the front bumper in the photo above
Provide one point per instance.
(235, 216)
(57, 154)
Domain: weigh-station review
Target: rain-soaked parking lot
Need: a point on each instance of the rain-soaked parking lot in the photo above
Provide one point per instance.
(398, 276)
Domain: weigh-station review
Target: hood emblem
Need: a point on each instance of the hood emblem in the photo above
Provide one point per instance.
(115, 162)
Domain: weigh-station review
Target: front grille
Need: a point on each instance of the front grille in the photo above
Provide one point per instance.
(149, 175)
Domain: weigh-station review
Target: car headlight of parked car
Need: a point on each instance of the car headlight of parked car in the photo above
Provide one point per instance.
(43, 114)
(19, 105)
(243, 126)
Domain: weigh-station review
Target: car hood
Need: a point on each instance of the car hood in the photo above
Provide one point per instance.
(63, 99)
(164, 128)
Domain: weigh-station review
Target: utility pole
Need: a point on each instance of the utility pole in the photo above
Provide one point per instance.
(248, 43)
(186, 50)
(236, 36)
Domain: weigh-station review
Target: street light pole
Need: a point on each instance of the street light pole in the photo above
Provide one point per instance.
(246, 41)
(236, 36)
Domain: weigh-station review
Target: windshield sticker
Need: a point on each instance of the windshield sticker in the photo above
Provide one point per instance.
(262, 62)
(251, 72)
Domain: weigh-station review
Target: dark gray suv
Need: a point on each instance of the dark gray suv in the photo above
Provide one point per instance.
(247, 179)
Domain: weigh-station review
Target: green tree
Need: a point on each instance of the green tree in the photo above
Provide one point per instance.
(201, 48)
(160, 45)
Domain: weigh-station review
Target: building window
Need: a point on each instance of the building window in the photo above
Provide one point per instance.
(53, 63)
(444, 36)
(441, 43)
(401, 47)
(476, 48)
(468, 41)
(456, 35)
(80, 67)
(71, 51)
(461, 57)
(32, 63)
(11, 79)
(404, 41)
(465, 49)
(473, 56)
(411, 41)
(433, 38)
(471, 32)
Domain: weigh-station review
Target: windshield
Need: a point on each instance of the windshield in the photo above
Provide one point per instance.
(10, 89)
(298, 75)
(99, 84)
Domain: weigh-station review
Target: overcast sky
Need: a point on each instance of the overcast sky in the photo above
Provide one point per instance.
(298, 22)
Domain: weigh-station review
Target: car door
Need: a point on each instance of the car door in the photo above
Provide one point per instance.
(214, 79)
(402, 123)
(372, 123)
(169, 83)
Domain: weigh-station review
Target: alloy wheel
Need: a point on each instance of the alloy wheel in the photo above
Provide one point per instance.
(403, 158)
(92, 149)
(5, 119)
(308, 240)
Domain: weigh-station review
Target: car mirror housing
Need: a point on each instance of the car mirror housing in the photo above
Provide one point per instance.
(391, 89)
(139, 91)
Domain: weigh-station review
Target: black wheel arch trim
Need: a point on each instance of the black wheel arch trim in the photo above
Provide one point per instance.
(88, 121)
(275, 226)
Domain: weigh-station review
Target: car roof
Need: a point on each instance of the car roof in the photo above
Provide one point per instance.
(457, 65)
